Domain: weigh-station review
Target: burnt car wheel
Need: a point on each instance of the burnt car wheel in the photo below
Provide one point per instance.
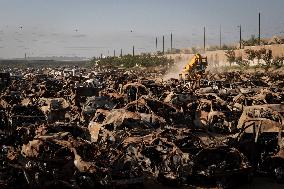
(169, 179)
(223, 183)
(278, 173)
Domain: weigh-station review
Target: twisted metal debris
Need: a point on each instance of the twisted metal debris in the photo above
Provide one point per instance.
(120, 128)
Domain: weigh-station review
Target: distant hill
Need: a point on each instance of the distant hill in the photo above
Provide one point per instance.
(56, 58)
(40, 63)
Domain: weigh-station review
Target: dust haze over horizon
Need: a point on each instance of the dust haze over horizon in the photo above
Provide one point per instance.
(88, 28)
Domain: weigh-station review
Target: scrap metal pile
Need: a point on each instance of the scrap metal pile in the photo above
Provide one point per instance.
(120, 128)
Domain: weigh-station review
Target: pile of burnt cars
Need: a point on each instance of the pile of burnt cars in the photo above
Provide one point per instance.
(114, 129)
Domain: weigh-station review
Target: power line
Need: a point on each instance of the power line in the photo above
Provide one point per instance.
(163, 44)
(204, 38)
(171, 42)
(220, 37)
(258, 28)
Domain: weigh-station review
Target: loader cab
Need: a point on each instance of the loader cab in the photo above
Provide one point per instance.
(201, 64)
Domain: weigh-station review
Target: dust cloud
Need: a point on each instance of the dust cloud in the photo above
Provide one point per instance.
(175, 70)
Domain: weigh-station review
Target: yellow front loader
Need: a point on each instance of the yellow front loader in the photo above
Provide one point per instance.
(194, 70)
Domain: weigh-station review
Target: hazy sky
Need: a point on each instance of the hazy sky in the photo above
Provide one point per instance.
(91, 27)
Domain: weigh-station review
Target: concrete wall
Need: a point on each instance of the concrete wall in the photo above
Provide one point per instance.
(218, 58)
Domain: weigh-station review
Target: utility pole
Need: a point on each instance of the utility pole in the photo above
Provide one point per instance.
(171, 43)
(114, 53)
(101, 56)
(156, 43)
(258, 28)
(240, 36)
(120, 52)
(204, 38)
(133, 51)
(163, 44)
(220, 37)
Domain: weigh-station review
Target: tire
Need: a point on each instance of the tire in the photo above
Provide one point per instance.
(278, 173)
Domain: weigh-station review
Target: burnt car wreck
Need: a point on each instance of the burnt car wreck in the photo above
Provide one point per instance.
(127, 128)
